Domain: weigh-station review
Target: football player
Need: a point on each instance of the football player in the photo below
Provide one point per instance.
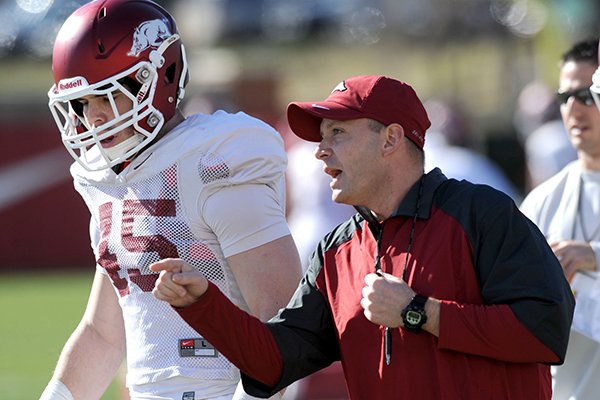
(158, 184)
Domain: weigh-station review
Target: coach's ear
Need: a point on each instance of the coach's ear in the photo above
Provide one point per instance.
(392, 138)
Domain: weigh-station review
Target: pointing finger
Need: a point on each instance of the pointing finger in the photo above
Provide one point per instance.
(167, 264)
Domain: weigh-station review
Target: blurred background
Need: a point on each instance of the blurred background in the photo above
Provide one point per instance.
(486, 70)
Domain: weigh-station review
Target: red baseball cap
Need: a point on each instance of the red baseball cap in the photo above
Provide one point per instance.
(380, 98)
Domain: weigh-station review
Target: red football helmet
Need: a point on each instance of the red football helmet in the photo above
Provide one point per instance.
(108, 47)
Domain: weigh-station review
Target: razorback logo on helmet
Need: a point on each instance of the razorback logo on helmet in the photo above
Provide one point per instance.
(65, 85)
(341, 87)
(149, 34)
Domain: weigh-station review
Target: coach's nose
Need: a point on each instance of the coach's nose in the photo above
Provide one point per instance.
(322, 151)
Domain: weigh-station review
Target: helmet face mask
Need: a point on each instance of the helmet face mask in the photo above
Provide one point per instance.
(109, 48)
(82, 140)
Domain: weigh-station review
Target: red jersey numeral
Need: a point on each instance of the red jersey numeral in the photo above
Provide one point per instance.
(135, 244)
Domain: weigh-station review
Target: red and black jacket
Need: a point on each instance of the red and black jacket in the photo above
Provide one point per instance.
(505, 315)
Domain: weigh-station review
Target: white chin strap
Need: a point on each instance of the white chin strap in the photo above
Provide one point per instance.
(121, 149)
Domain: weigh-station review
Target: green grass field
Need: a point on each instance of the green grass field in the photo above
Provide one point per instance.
(38, 313)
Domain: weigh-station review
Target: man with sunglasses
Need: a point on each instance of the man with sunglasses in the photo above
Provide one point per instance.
(566, 208)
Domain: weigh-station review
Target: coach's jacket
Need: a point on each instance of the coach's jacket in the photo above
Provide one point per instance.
(505, 313)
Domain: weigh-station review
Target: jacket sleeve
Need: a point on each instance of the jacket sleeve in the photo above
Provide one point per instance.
(528, 304)
(490, 331)
(241, 337)
(305, 333)
(300, 340)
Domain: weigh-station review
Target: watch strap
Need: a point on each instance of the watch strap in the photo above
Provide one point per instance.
(419, 301)
(414, 316)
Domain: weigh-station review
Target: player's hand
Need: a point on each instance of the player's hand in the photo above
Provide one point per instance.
(574, 256)
(384, 297)
(179, 283)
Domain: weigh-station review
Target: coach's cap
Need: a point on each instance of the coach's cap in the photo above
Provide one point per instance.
(375, 97)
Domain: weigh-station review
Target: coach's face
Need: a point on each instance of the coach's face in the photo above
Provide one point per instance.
(581, 120)
(351, 155)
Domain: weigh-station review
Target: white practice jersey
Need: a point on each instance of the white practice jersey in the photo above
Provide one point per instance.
(211, 188)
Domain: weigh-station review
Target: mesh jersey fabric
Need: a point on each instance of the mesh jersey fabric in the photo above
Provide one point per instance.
(159, 207)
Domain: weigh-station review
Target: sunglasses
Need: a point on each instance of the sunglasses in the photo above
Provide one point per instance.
(583, 95)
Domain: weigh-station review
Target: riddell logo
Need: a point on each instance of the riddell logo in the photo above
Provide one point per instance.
(68, 84)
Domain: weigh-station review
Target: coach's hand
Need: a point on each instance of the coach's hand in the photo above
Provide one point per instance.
(179, 283)
(384, 297)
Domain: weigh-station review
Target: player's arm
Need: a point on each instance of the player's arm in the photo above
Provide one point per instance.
(268, 268)
(96, 348)
(267, 275)
(250, 224)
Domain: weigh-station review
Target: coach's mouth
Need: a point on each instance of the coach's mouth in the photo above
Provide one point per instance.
(332, 172)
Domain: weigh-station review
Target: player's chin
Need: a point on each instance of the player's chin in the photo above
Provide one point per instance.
(117, 138)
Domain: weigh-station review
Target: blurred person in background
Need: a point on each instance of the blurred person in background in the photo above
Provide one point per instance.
(566, 208)
(207, 188)
(449, 146)
(543, 134)
(432, 290)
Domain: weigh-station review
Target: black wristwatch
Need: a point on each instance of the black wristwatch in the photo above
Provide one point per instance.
(414, 316)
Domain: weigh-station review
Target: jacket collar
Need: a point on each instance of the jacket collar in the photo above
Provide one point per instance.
(431, 181)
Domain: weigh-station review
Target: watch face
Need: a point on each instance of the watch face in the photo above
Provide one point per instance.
(413, 317)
